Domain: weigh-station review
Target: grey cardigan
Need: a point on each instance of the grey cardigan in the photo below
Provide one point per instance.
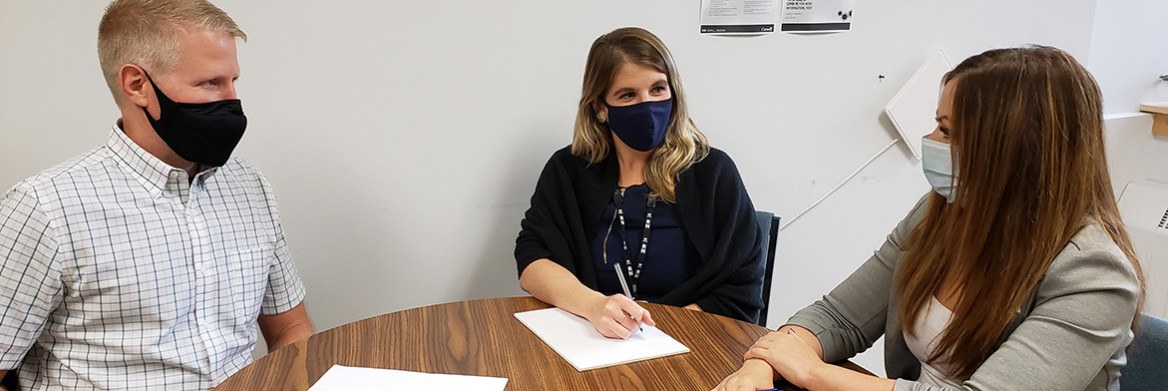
(1071, 335)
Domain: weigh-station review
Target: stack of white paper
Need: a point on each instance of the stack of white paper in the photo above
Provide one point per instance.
(577, 341)
(344, 378)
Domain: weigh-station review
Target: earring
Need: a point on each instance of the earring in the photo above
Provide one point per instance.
(601, 117)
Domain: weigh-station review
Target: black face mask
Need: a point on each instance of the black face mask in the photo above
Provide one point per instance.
(203, 133)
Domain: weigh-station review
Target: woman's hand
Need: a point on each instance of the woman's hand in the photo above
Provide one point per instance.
(754, 375)
(788, 354)
(617, 316)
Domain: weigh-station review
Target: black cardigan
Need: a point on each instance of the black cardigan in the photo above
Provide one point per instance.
(712, 205)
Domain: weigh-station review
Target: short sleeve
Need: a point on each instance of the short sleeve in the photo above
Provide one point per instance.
(285, 290)
(30, 276)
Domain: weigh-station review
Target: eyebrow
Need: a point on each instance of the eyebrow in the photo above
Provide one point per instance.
(655, 84)
(940, 117)
(621, 90)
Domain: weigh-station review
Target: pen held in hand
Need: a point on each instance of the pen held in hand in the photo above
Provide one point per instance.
(624, 285)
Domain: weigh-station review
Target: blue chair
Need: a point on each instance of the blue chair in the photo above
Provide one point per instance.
(1147, 358)
(769, 223)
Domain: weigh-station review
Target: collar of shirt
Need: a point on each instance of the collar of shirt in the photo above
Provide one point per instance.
(159, 178)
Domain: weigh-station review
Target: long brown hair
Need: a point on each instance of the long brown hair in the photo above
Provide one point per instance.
(684, 144)
(1027, 140)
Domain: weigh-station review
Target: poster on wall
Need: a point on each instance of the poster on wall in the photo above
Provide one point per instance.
(738, 17)
(816, 16)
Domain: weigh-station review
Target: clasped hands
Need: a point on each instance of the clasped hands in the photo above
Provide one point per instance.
(780, 351)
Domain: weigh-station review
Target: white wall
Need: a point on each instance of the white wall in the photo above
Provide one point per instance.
(1135, 154)
(1127, 53)
(1127, 57)
(404, 138)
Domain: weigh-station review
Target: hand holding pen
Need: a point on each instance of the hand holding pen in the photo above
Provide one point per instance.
(620, 276)
(618, 316)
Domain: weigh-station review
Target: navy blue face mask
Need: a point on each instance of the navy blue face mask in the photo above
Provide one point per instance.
(641, 126)
(203, 133)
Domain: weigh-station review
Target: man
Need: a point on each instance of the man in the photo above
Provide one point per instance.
(149, 262)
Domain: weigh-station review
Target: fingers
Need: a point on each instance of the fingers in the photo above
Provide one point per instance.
(629, 313)
(756, 352)
(616, 330)
(648, 319)
(609, 328)
(629, 307)
(772, 336)
(739, 382)
(619, 317)
(617, 310)
(627, 322)
(762, 349)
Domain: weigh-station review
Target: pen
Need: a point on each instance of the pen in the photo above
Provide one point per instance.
(624, 285)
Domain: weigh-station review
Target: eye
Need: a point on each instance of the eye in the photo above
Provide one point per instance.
(627, 95)
(944, 130)
(209, 83)
(659, 90)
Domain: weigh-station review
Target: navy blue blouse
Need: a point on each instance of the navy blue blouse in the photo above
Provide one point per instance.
(670, 258)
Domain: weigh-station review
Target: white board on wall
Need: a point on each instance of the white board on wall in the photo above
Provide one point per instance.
(911, 109)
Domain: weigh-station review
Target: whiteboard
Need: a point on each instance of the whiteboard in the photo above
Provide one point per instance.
(910, 110)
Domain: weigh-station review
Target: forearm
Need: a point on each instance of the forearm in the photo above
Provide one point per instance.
(829, 377)
(290, 335)
(553, 284)
(286, 328)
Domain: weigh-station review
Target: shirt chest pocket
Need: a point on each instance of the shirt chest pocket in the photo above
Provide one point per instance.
(245, 277)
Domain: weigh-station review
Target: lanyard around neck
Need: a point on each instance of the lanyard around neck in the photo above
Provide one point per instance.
(633, 273)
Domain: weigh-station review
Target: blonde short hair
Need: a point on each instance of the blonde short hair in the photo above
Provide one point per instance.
(145, 32)
(684, 144)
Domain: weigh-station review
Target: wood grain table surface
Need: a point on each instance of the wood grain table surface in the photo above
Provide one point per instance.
(483, 337)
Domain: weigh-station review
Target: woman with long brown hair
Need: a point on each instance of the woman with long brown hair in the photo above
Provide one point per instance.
(641, 196)
(1015, 273)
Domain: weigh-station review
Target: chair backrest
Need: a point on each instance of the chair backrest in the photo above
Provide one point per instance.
(769, 223)
(1147, 359)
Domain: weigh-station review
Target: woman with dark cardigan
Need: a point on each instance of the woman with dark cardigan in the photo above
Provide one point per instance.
(639, 166)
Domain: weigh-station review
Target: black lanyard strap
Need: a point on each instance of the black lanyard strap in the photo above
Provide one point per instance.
(634, 274)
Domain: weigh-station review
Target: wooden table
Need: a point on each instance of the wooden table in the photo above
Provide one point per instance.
(482, 337)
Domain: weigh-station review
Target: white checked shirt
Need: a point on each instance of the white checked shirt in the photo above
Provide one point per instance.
(115, 273)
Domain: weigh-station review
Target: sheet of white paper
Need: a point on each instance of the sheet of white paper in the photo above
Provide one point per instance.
(914, 108)
(342, 378)
(576, 341)
(731, 17)
(817, 16)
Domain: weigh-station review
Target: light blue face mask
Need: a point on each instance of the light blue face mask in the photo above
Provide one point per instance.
(937, 163)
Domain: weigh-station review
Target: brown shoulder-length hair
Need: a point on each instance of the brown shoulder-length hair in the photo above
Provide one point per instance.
(1027, 141)
(684, 144)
